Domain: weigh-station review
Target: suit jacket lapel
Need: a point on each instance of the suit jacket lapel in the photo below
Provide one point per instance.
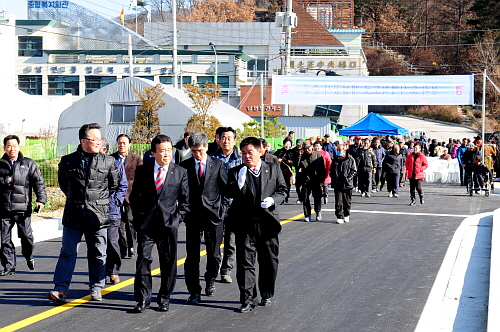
(208, 168)
(264, 177)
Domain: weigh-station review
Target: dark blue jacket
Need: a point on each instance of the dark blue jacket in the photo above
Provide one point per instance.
(233, 160)
(460, 153)
(117, 198)
(331, 149)
(380, 154)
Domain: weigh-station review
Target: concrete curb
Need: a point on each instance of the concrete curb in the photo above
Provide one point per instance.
(43, 230)
(432, 318)
(494, 296)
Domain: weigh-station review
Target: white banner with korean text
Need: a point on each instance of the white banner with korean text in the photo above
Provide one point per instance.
(373, 90)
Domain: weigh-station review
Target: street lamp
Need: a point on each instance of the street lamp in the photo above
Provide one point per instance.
(215, 69)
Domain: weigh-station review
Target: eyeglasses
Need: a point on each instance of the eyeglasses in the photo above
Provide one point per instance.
(95, 141)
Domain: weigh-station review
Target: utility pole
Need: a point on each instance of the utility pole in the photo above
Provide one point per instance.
(288, 37)
(287, 20)
(130, 56)
(215, 66)
(262, 105)
(174, 43)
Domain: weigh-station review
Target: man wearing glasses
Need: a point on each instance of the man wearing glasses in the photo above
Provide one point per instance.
(87, 177)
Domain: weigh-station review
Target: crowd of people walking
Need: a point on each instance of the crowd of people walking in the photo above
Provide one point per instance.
(125, 205)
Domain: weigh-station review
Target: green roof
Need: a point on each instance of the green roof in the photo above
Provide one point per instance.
(142, 52)
(50, 23)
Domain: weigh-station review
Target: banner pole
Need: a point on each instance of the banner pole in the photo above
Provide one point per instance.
(483, 114)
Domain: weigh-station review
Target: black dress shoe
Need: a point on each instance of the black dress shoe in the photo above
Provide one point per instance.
(31, 264)
(194, 299)
(142, 306)
(245, 308)
(265, 302)
(163, 306)
(210, 290)
(7, 272)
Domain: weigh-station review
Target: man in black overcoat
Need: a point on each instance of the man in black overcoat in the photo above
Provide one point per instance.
(257, 189)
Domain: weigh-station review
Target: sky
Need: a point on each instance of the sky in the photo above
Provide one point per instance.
(107, 8)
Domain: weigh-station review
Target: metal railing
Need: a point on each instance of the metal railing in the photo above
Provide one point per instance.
(367, 42)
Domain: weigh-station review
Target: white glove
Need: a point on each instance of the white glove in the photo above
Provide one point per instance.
(267, 202)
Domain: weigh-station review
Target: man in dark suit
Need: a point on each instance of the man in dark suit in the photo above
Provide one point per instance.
(207, 184)
(130, 161)
(160, 200)
(257, 189)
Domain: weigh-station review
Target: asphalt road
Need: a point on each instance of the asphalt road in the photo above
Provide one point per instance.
(373, 274)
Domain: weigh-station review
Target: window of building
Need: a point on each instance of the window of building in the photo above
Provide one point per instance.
(125, 112)
(168, 80)
(30, 46)
(61, 85)
(94, 83)
(31, 84)
(223, 81)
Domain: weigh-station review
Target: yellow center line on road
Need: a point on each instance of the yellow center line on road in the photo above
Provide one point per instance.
(57, 310)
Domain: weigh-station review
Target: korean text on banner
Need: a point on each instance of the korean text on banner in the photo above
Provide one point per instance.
(373, 90)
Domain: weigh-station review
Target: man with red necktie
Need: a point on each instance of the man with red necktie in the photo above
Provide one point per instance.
(159, 200)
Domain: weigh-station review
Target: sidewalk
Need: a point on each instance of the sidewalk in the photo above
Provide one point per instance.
(43, 230)
(459, 297)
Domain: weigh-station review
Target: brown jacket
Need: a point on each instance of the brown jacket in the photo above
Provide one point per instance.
(130, 165)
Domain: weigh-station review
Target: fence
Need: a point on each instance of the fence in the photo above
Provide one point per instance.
(47, 157)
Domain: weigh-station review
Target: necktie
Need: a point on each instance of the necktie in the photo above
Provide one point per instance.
(201, 174)
(159, 180)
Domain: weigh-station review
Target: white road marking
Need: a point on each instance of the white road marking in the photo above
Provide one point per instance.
(406, 213)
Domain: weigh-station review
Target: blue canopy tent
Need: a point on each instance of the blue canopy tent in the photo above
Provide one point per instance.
(373, 124)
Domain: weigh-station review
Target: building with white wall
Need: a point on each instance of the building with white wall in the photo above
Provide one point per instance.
(22, 114)
(68, 49)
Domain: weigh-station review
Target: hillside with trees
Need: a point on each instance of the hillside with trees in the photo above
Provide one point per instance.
(437, 38)
(425, 37)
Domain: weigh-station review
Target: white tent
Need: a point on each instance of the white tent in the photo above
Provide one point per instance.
(97, 107)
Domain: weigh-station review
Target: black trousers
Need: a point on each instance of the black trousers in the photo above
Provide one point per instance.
(253, 246)
(25, 233)
(317, 193)
(416, 185)
(229, 248)
(113, 259)
(166, 244)
(128, 235)
(195, 230)
(393, 182)
(376, 178)
(343, 198)
(299, 187)
(364, 181)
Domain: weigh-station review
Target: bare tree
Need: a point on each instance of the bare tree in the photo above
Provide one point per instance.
(47, 135)
(222, 11)
(147, 123)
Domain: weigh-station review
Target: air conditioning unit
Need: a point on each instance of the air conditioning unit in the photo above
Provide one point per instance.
(285, 19)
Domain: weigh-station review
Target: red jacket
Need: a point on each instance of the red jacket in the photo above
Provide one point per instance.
(419, 164)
